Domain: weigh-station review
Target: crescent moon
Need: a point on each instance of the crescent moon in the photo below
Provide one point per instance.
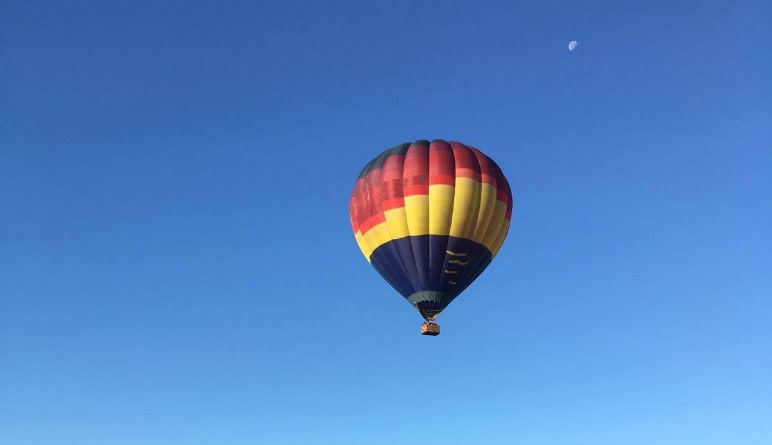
(572, 45)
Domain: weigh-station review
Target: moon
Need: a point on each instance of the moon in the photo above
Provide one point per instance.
(572, 45)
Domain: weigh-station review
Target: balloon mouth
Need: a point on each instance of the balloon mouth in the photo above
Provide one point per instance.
(430, 303)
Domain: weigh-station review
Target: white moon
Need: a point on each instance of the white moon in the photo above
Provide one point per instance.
(572, 45)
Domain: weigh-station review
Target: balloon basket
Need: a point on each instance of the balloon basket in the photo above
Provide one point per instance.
(432, 329)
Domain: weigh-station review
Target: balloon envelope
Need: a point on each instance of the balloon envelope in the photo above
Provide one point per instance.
(572, 45)
(430, 217)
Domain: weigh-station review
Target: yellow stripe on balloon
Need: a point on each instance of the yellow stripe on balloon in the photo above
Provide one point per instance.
(377, 236)
(440, 208)
(467, 210)
(417, 214)
(465, 207)
(366, 251)
(485, 212)
(497, 219)
(396, 222)
(500, 238)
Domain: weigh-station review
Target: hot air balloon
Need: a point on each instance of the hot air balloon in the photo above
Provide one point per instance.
(430, 217)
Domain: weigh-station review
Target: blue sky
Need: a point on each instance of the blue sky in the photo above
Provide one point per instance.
(177, 264)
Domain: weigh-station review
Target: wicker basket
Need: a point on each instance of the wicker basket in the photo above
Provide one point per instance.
(430, 329)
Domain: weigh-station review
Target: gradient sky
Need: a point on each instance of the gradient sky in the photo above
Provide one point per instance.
(177, 264)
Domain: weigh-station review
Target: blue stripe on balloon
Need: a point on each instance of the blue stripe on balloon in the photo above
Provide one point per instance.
(421, 263)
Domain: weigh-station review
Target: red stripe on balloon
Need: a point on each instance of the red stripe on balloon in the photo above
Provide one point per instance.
(416, 170)
(466, 162)
(372, 222)
(442, 164)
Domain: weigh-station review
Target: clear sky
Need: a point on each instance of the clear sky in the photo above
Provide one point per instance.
(177, 264)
